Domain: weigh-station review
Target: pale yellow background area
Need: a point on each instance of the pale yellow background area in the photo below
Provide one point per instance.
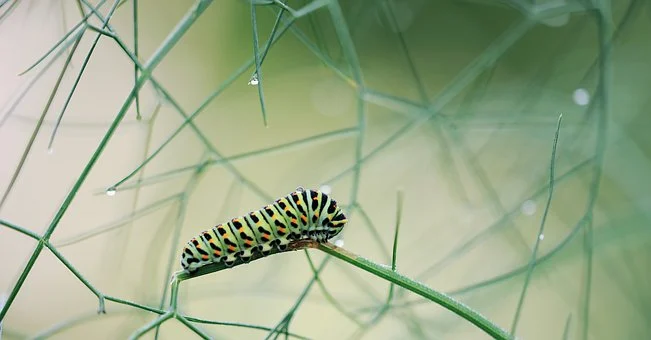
(460, 175)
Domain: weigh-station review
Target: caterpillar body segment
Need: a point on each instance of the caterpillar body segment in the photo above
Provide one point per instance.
(301, 215)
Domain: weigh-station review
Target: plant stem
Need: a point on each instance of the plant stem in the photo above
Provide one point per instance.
(444, 300)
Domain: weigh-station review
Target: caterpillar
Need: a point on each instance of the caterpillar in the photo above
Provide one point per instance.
(300, 215)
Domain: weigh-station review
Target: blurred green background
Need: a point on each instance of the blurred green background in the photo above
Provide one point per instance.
(453, 102)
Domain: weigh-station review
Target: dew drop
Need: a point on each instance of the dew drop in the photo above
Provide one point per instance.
(111, 191)
(581, 97)
(528, 207)
(300, 189)
(326, 189)
(339, 242)
(541, 237)
(254, 80)
(50, 151)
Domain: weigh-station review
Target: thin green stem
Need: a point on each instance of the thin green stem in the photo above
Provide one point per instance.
(375, 234)
(118, 223)
(604, 27)
(20, 229)
(233, 324)
(387, 303)
(416, 287)
(134, 304)
(397, 104)
(394, 254)
(257, 81)
(194, 328)
(9, 9)
(588, 241)
(391, 16)
(21, 279)
(283, 7)
(136, 54)
(309, 8)
(326, 60)
(317, 33)
(312, 140)
(148, 327)
(539, 236)
(566, 330)
(284, 323)
(267, 46)
(346, 41)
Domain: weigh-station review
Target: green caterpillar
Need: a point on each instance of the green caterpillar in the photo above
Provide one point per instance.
(301, 215)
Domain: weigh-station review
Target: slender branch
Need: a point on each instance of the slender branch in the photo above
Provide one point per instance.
(534, 252)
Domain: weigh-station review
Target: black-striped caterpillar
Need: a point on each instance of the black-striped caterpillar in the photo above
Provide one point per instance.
(302, 214)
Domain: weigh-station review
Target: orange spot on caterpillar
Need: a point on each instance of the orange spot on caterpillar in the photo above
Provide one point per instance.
(248, 242)
(304, 218)
(217, 253)
(205, 257)
(232, 248)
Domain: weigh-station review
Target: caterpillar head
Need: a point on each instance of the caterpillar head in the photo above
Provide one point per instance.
(327, 219)
(335, 222)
